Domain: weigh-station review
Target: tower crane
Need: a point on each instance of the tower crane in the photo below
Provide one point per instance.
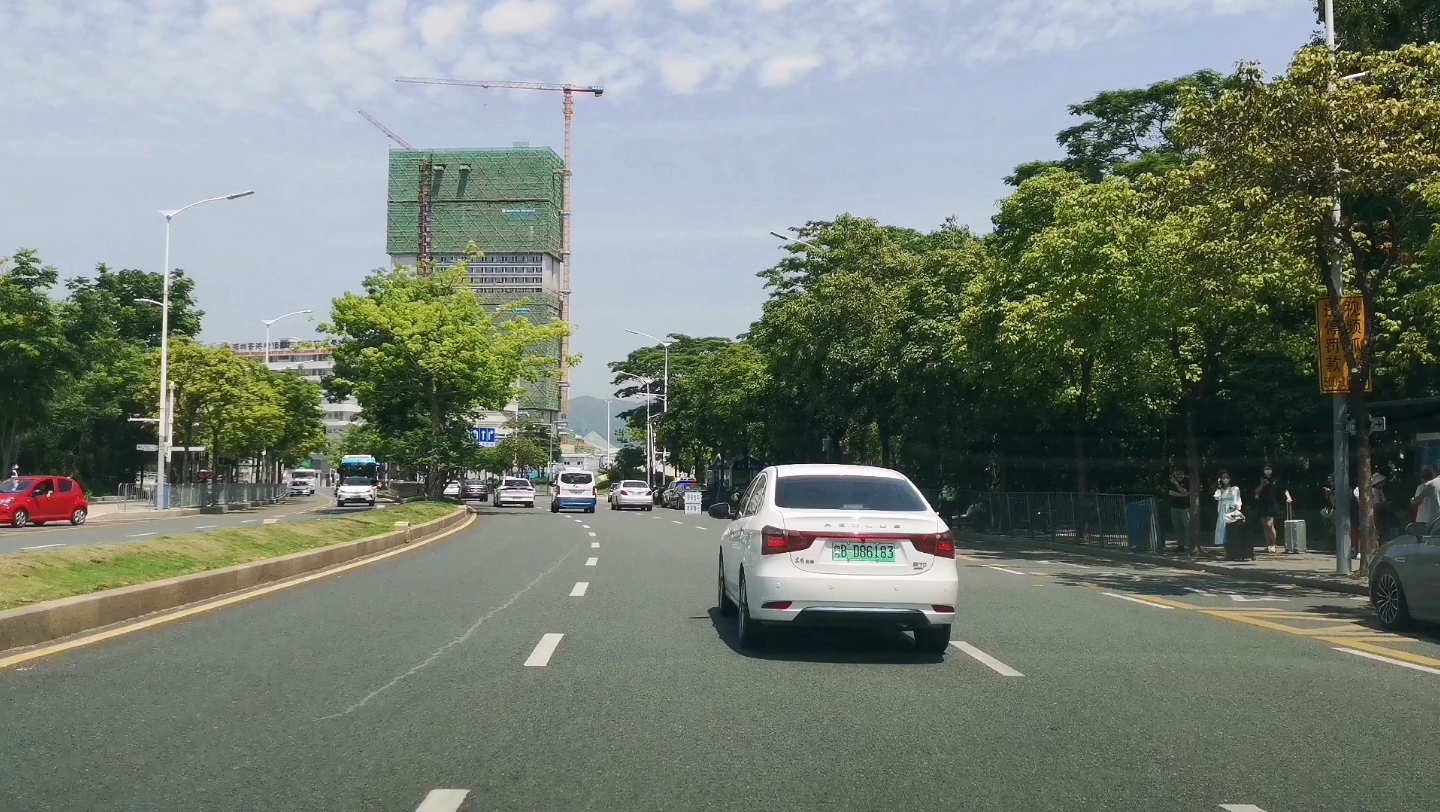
(391, 135)
(568, 108)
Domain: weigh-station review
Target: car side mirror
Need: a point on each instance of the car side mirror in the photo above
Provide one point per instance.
(1416, 529)
(720, 510)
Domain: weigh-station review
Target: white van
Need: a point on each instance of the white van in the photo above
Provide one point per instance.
(575, 489)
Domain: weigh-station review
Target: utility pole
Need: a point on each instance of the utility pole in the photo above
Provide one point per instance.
(1339, 410)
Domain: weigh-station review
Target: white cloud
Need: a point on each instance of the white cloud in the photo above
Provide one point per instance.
(785, 70)
(238, 55)
(84, 148)
(519, 17)
(603, 8)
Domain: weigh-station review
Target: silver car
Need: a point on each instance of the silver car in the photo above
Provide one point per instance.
(1405, 581)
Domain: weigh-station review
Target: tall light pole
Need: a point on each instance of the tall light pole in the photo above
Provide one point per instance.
(609, 432)
(649, 441)
(162, 501)
(666, 344)
(268, 322)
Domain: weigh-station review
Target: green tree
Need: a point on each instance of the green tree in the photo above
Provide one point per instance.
(1279, 150)
(34, 351)
(423, 358)
(1382, 25)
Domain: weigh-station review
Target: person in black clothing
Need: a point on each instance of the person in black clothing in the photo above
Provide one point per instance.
(1267, 497)
(1179, 493)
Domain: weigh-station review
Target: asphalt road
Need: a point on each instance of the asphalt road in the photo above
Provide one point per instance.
(375, 688)
(122, 529)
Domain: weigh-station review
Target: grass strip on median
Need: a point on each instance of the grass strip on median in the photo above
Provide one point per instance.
(27, 578)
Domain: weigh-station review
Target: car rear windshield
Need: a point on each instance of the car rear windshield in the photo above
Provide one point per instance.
(633, 483)
(517, 483)
(356, 480)
(577, 479)
(16, 485)
(847, 493)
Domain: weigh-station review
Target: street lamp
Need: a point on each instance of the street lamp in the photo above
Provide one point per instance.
(268, 322)
(163, 454)
(797, 241)
(666, 345)
(649, 428)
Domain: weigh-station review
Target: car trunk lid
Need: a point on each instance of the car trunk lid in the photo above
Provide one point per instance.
(861, 542)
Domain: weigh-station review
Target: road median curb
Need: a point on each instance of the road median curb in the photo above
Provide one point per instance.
(52, 620)
(1265, 576)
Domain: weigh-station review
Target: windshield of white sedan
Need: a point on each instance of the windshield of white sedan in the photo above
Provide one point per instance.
(846, 493)
(631, 483)
(516, 483)
(356, 480)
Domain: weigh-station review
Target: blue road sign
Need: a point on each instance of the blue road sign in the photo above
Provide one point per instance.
(485, 438)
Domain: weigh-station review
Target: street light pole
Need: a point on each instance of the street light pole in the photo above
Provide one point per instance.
(268, 322)
(1339, 404)
(162, 501)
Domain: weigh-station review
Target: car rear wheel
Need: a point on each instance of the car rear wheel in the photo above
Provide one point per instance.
(1388, 595)
(554, 507)
(933, 639)
(747, 630)
(78, 517)
(21, 518)
(727, 606)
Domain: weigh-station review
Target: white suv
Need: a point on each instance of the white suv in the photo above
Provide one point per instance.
(837, 545)
(355, 489)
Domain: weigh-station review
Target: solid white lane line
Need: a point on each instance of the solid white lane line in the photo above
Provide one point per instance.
(1427, 669)
(247, 521)
(579, 590)
(143, 535)
(1137, 600)
(205, 526)
(594, 544)
(1002, 569)
(1241, 808)
(443, 800)
(992, 663)
(590, 562)
(543, 650)
(592, 533)
(39, 547)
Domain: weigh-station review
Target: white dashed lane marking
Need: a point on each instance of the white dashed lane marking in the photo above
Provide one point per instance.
(990, 662)
(1137, 600)
(142, 535)
(594, 544)
(40, 547)
(698, 527)
(544, 650)
(1002, 569)
(443, 800)
(586, 526)
(592, 534)
(677, 521)
(590, 562)
(579, 590)
(1241, 808)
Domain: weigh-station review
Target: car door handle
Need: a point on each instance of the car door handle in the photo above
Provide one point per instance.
(1400, 559)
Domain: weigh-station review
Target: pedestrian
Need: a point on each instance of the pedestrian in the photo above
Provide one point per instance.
(1180, 508)
(1427, 497)
(15, 470)
(1267, 498)
(1228, 518)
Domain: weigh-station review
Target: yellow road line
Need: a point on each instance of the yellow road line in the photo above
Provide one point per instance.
(1387, 652)
(178, 614)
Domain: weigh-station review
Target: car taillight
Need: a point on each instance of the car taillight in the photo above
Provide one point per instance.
(936, 544)
(773, 540)
(943, 609)
(775, 605)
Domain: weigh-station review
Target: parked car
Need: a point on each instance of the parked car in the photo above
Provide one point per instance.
(632, 493)
(515, 491)
(575, 489)
(669, 498)
(1405, 581)
(36, 500)
(475, 489)
(837, 545)
(355, 489)
(301, 487)
(452, 489)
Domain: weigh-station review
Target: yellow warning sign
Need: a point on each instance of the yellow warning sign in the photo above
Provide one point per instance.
(1334, 372)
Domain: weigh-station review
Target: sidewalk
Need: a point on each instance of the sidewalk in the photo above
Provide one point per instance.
(1315, 570)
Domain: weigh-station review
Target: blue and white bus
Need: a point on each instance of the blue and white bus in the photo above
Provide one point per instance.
(362, 465)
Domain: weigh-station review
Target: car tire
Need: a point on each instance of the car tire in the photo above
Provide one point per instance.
(722, 600)
(38, 523)
(338, 503)
(1387, 594)
(372, 503)
(530, 505)
(79, 516)
(933, 639)
(747, 629)
(554, 507)
(21, 518)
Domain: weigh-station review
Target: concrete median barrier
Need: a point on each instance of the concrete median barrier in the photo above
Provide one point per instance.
(43, 622)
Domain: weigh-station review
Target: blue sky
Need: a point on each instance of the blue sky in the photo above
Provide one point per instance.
(722, 120)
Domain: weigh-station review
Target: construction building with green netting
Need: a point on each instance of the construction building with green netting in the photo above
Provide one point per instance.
(507, 203)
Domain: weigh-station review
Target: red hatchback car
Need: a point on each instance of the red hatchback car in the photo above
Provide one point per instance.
(39, 499)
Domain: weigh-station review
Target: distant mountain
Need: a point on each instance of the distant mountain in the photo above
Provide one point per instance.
(587, 414)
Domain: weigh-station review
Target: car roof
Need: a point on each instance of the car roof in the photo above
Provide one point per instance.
(827, 469)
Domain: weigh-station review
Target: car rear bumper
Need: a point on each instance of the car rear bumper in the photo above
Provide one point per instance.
(514, 499)
(570, 502)
(634, 501)
(902, 602)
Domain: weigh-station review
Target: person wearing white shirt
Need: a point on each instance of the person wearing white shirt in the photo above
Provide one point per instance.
(1427, 497)
(1227, 510)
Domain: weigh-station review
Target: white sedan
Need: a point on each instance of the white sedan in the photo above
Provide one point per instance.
(632, 493)
(355, 489)
(837, 545)
(515, 491)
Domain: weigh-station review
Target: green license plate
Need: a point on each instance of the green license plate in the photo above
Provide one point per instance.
(862, 553)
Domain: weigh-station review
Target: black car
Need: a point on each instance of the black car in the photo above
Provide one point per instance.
(475, 489)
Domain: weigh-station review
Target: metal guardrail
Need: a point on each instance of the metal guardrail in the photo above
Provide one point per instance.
(1100, 519)
(200, 494)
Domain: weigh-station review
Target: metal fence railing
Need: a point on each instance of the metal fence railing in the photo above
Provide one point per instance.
(1101, 519)
(130, 496)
